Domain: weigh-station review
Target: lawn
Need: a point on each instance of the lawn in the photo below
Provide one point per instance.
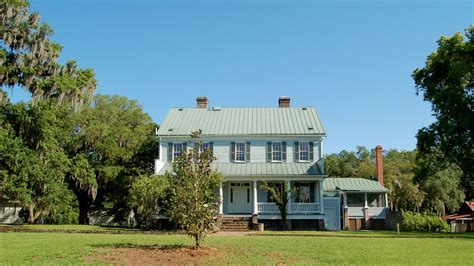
(73, 248)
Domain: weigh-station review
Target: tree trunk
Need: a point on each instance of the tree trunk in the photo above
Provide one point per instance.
(32, 216)
(84, 207)
(197, 243)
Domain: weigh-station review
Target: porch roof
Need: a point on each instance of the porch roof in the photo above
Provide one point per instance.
(260, 169)
(353, 184)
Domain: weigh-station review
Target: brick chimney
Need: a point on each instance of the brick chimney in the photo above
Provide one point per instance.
(201, 102)
(284, 102)
(379, 163)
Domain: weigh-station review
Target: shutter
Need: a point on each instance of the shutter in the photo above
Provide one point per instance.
(283, 151)
(311, 152)
(247, 151)
(211, 148)
(170, 152)
(269, 151)
(185, 148)
(232, 151)
(311, 192)
(297, 152)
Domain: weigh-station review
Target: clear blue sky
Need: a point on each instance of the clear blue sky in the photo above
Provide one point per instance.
(351, 60)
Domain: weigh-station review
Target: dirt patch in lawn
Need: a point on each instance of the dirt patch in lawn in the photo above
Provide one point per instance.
(155, 255)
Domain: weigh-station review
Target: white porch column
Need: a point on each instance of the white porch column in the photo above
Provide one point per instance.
(288, 207)
(221, 199)
(321, 196)
(386, 200)
(365, 200)
(255, 205)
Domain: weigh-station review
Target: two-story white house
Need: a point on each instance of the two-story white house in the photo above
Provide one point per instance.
(273, 144)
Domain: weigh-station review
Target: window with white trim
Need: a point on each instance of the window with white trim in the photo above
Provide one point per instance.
(277, 151)
(303, 192)
(177, 150)
(304, 151)
(240, 151)
(204, 147)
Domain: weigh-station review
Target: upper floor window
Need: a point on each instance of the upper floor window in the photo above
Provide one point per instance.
(303, 151)
(206, 146)
(240, 152)
(176, 150)
(276, 151)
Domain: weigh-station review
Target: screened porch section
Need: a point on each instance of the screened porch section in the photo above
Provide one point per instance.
(248, 197)
(375, 204)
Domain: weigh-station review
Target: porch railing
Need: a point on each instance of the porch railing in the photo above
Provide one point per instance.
(305, 208)
(267, 207)
(296, 208)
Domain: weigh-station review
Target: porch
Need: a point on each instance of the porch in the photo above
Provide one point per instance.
(247, 198)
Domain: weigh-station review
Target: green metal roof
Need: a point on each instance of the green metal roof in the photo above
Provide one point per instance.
(353, 184)
(260, 169)
(242, 121)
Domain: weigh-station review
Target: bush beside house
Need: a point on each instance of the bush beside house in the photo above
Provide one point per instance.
(422, 222)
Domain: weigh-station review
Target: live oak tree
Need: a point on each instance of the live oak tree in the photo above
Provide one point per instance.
(441, 182)
(113, 142)
(447, 82)
(193, 201)
(28, 58)
(32, 161)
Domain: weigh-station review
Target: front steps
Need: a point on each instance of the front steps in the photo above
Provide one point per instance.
(230, 223)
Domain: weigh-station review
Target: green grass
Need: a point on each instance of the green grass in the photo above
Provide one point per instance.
(371, 234)
(75, 227)
(70, 248)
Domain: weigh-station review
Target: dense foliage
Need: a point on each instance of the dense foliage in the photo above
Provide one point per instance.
(415, 182)
(113, 143)
(447, 82)
(32, 159)
(193, 201)
(146, 196)
(280, 193)
(422, 222)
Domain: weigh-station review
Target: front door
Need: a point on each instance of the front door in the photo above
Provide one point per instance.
(239, 198)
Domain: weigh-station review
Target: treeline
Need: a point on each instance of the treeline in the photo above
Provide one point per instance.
(65, 153)
(416, 181)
